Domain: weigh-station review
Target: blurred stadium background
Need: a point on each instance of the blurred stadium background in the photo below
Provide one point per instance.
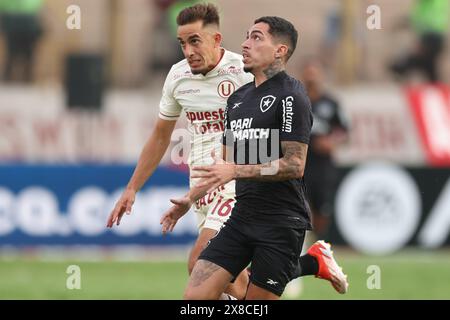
(71, 132)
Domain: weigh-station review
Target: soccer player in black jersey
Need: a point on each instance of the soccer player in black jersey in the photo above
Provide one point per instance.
(268, 126)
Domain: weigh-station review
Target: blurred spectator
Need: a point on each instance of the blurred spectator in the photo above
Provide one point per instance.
(164, 51)
(328, 131)
(167, 51)
(21, 26)
(329, 45)
(430, 21)
(342, 42)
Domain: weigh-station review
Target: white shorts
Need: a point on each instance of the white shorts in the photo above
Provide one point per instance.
(215, 208)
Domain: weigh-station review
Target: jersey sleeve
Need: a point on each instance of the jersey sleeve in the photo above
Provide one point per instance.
(169, 109)
(295, 118)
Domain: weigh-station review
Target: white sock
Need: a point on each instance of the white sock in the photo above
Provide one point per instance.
(226, 296)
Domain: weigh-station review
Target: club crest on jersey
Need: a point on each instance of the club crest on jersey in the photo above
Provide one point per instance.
(226, 88)
(267, 102)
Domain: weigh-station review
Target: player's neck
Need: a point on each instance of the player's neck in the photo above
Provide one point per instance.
(267, 73)
(219, 56)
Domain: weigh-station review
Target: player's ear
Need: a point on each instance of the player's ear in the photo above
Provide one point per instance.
(282, 51)
(217, 39)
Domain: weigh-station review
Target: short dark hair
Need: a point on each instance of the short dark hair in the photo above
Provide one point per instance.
(282, 30)
(205, 12)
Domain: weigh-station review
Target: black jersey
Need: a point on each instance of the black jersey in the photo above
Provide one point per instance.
(257, 120)
(327, 116)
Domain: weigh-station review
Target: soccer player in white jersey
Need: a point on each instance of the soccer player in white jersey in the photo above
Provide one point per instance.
(197, 86)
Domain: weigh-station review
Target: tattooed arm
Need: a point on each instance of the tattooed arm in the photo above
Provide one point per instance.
(290, 166)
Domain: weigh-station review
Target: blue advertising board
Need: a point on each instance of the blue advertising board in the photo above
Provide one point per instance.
(70, 204)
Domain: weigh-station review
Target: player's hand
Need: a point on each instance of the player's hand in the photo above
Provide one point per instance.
(124, 205)
(216, 175)
(171, 216)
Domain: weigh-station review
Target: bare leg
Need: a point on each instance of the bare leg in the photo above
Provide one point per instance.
(236, 289)
(207, 281)
(202, 240)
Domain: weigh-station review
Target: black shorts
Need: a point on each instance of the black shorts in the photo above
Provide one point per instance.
(272, 251)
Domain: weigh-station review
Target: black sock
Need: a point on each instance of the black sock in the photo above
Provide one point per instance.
(308, 265)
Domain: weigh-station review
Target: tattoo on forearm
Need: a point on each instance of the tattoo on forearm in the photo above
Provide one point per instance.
(290, 166)
(274, 68)
(294, 154)
(202, 272)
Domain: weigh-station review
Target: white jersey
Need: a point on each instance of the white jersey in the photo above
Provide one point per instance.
(202, 98)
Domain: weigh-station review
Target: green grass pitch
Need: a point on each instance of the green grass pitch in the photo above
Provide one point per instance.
(406, 275)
